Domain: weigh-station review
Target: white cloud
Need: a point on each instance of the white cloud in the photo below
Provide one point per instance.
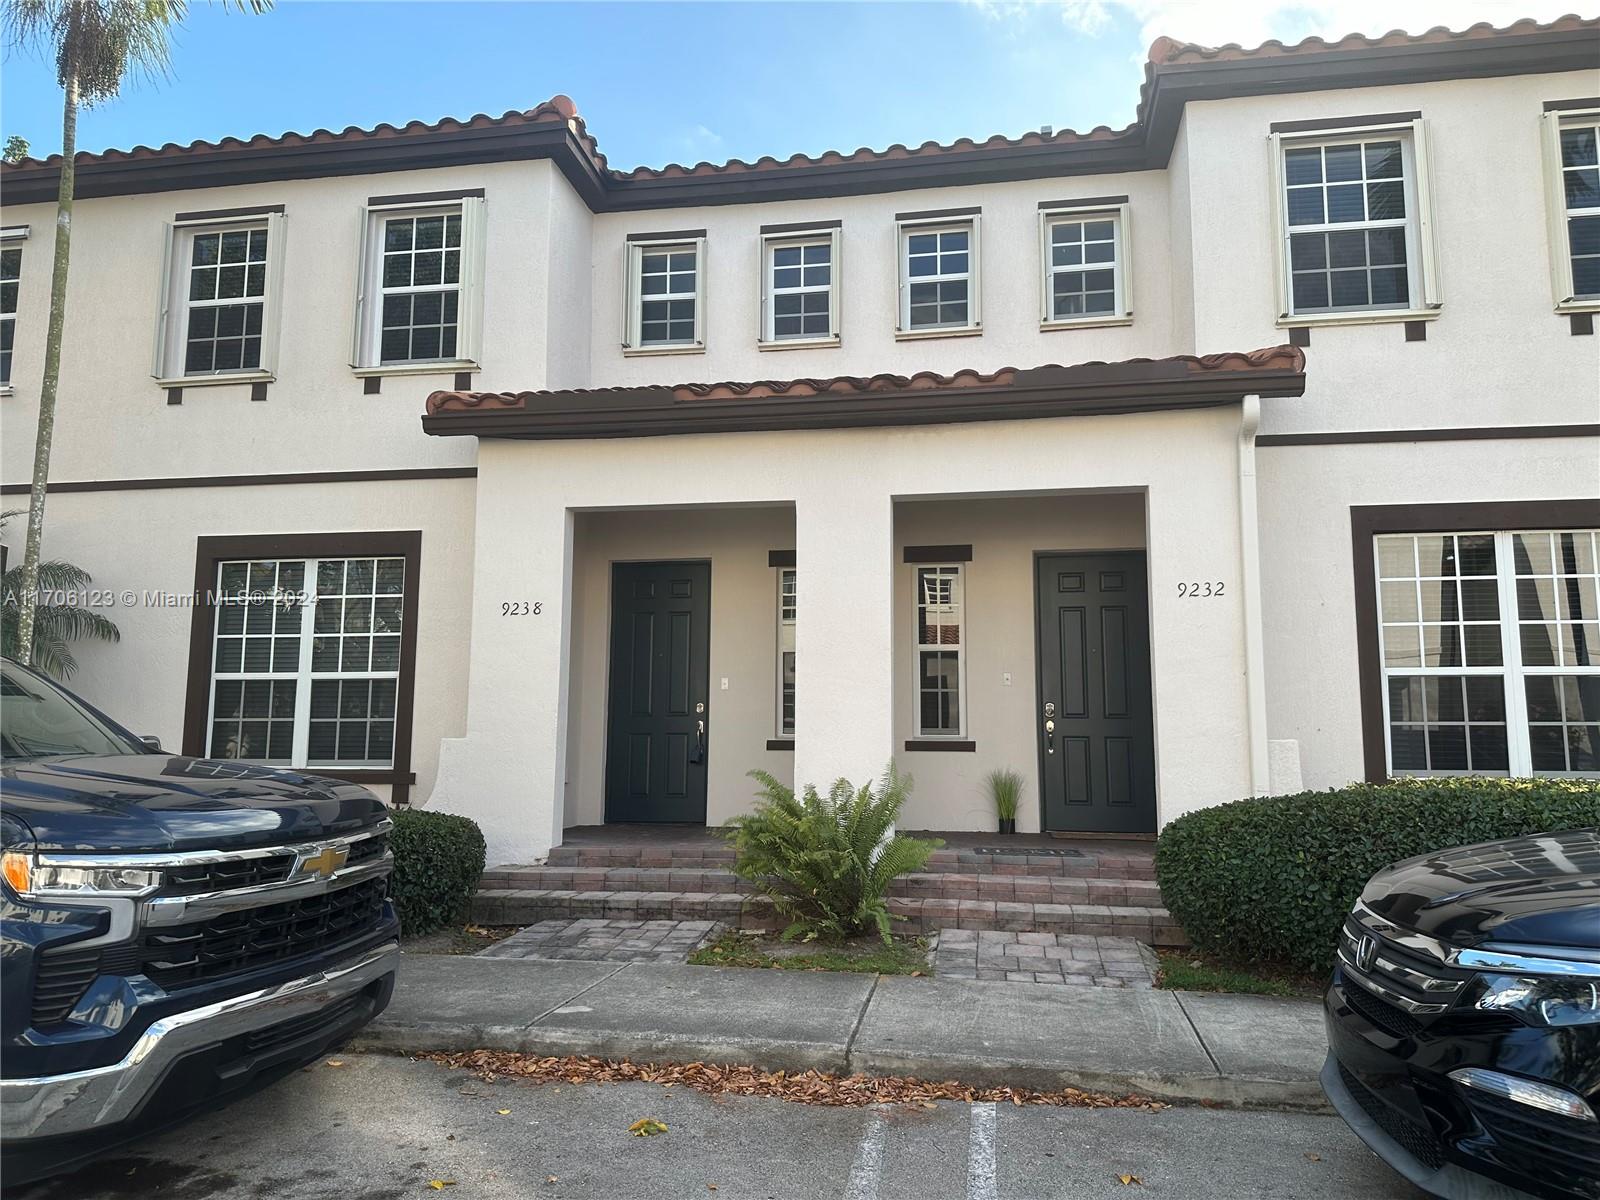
(1217, 22)
(698, 142)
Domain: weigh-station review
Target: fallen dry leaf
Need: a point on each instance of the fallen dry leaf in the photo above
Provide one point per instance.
(806, 1087)
(1129, 1180)
(551, 1178)
(504, 1112)
(1313, 1157)
(336, 1062)
(439, 1185)
(646, 1127)
(711, 1187)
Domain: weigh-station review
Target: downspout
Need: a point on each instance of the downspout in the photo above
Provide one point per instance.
(1250, 586)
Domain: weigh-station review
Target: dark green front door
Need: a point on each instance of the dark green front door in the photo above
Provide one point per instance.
(658, 724)
(1096, 736)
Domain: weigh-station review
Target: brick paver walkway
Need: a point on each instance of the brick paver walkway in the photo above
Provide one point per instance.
(1058, 958)
(595, 939)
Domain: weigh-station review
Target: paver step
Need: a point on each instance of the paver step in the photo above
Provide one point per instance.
(526, 906)
(1132, 864)
(926, 885)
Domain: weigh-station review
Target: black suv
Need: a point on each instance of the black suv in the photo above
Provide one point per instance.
(173, 930)
(1464, 1019)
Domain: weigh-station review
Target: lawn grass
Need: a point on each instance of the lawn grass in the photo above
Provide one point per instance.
(1188, 971)
(904, 956)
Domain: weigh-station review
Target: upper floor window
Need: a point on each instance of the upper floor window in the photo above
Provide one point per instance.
(800, 287)
(220, 298)
(1085, 262)
(939, 283)
(1573, 165)
(10, 282)
(1353, 211)
(419, 296)
(665, 306)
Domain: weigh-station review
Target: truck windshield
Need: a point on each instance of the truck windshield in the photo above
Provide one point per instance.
(38, 720)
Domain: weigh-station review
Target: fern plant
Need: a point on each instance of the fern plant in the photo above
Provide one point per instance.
(827, 861)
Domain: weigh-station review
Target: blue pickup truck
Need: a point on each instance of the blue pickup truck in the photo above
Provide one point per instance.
(173, 931)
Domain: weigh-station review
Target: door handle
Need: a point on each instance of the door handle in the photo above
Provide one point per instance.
(700, 733)
(1049, 727)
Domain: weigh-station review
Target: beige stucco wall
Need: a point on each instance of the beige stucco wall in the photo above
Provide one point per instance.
(1308, 591)
(144, 541)
(1003, 719)
(743, 649)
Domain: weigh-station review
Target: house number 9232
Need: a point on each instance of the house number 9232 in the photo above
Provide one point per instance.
(1200, 590)
(521, 608)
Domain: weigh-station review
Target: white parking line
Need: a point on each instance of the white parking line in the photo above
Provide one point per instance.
(980, 1155)
(868, 1165)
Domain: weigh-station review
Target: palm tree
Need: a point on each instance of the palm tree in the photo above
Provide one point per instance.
(95, 43)
(57, 621)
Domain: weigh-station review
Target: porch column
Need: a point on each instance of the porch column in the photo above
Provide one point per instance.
(508, 772)
(844, 648)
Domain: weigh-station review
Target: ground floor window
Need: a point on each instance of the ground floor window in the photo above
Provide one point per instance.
(304, 649)
(1490, 651)
(787, 609)
(941, 671)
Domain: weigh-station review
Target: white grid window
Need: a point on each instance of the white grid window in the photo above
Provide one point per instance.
(1350, 209)
(1491, 652)
(941, 669)
(665, 287)
(799, 288)
(419, 299)
(1085, 266)
(939, 277)
(219, 299)
(421, 285)
(786, 625)
(10, 282)
(1580, 191)
(226, 294)
(318, 696)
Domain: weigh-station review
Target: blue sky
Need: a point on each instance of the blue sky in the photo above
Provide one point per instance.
(664, 82)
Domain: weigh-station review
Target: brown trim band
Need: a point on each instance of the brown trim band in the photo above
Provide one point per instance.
(1312, 126)
(209, 551)
(1367, 521)
(801, 226)
(1362, 437)
(1085, 202)
(668, 235)
(1564, 105)
(936, 554)
(210, 481)
(780, 558)
(914, 745)
(935, 214)
(224, 214)
(427, 197)
(780, 743)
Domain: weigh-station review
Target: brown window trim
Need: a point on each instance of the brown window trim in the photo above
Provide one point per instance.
(1367, 521)
(800, 227)
(668, 235)
(956, 744)
(1372, 119)
(209, 551)
(940, 214)
(1570, 105)
(419, 198)
(228, 214)
(780, 558)
(1046, 206)
(936, 554)
(780, 743)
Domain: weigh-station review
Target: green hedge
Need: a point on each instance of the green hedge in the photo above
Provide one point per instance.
(1272, 878)
(437, 860)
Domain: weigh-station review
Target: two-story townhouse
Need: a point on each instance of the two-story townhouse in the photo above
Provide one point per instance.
(1318, 500)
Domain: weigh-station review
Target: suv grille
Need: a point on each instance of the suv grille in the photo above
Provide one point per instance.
(1413, 983)
(177, 955)
(1388, 1017)
(1418, 1140)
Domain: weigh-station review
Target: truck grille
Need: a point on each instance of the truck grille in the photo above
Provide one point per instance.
(178, 955)
(64, 974)
(201, 878)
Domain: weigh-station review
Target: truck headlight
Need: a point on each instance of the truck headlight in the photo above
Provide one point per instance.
(27, 876)
(1542, 1000)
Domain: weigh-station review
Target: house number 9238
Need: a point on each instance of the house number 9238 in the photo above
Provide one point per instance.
(1200, 590)
(521, 608)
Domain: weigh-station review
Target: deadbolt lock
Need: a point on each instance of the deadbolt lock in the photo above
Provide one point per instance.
(1050, 708)
(700, 706)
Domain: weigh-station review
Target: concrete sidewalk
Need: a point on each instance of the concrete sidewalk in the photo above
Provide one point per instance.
(1246, 1050)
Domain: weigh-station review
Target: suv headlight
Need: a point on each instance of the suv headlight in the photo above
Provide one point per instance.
(1542, 1000)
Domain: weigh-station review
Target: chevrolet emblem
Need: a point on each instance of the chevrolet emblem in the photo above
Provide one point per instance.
(322, 862)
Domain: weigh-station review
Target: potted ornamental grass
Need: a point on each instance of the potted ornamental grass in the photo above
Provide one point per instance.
(1005, 792)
